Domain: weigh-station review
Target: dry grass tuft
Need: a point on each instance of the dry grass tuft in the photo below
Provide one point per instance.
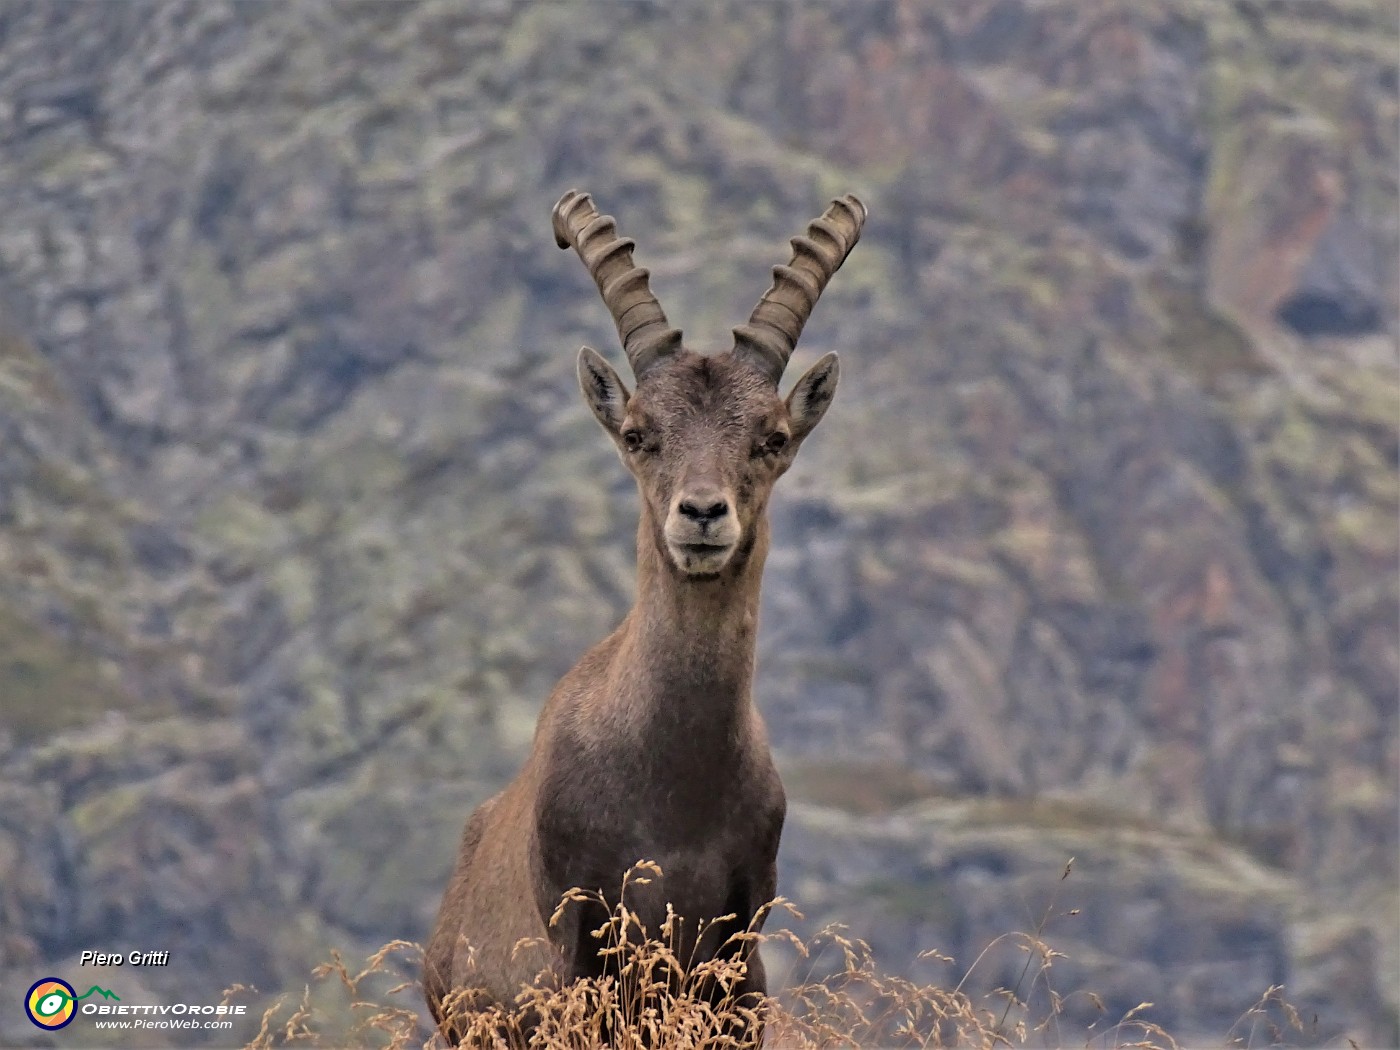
(835, 996)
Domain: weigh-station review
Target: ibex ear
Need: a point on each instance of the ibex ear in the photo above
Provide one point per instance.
(602, 389)
(812, 395)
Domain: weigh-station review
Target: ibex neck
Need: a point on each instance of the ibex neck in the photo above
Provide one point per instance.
(693, 640)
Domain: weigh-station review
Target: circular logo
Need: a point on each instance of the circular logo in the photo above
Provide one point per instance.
(50, 1003)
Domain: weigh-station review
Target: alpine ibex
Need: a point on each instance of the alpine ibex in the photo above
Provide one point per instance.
(651, 747)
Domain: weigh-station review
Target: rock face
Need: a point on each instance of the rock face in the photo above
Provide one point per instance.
(301, 517)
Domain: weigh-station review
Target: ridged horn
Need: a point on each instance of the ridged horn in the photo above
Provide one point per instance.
(646, 335)
(777, 321)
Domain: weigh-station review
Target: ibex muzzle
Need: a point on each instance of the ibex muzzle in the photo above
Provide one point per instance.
(651, 748)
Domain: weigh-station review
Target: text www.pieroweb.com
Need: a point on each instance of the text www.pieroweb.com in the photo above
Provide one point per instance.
(220, 1021)
(167, 1023)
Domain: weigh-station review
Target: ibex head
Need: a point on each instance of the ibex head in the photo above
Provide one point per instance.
(707, 436)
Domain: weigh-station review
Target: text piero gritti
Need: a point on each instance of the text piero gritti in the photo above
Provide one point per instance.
(89, 957)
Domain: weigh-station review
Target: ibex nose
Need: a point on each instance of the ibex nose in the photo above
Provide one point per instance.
(704, 508)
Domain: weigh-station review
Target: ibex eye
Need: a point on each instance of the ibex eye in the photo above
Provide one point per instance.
(777, 441)
(632, 439)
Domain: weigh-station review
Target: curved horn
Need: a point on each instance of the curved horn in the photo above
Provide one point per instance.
(777, 321)
(646, 335)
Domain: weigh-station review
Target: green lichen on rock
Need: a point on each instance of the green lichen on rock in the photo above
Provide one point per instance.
(49, 685)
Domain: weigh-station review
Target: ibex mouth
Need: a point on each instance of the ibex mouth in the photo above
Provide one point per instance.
(701, 559)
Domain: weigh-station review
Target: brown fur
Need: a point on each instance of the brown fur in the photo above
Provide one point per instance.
(650, 748)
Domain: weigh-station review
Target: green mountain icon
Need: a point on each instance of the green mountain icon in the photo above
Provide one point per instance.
(106, 993)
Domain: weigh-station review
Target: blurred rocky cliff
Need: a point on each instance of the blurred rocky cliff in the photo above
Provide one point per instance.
(301, 515)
